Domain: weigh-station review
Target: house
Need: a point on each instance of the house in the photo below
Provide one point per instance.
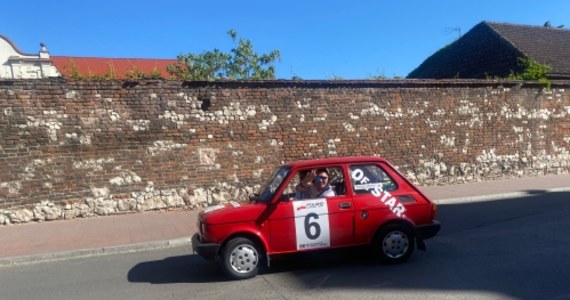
(492, 50)
(15, 64)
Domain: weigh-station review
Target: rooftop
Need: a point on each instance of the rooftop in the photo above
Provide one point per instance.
(115, 68)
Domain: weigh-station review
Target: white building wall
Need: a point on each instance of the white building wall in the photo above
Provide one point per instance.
(15, 64)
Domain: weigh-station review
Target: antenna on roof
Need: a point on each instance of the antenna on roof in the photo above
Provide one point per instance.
(454, 29)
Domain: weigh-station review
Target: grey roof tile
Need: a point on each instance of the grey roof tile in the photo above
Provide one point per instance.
(492, 50)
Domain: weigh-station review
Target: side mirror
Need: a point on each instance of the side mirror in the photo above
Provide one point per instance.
(253, 198)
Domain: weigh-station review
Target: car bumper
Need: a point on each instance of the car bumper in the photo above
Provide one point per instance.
(427, 231)
(206, 250)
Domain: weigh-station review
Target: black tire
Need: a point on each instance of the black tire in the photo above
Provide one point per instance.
(242, 258)
(393, 243)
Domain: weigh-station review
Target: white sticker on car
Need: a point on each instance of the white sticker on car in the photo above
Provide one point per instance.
(212, 208)
(378, 191)
(312, 224)
(368, 186)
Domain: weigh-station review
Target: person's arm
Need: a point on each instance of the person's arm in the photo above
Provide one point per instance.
(306, 183)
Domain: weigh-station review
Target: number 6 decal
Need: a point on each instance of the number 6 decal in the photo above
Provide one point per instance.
(311, 223)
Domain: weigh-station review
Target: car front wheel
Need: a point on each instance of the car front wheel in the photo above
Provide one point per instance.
(241, 258)
(394, 243)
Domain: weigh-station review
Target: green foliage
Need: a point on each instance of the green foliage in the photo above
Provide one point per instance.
(109, 75)
(74, 72)
(135, 74)
(242, 62)
(206, 66)
(378, 76)
(532, 70)
(155, 74)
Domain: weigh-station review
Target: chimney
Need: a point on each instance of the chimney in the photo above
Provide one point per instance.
(44, 54)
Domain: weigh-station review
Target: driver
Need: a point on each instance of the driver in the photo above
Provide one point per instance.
(314, 184)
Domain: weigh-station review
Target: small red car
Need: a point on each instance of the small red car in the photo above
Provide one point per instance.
(366, 201)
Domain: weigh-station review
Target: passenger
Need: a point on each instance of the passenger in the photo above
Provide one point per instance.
(314, 184)
(300, 191)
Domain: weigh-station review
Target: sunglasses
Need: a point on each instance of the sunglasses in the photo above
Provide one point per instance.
(323, 178)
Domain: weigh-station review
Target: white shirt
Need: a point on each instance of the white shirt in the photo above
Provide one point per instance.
(314, 193)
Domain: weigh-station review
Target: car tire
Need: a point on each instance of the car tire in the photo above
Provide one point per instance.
(394, 243)
(242, 258)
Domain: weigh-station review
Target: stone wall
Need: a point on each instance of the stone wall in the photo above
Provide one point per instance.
(81, 148)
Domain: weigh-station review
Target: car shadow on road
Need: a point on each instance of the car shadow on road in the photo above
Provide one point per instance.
(176, 269)
(509, 248)
(194, 269)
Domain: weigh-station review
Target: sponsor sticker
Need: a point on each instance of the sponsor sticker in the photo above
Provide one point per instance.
(311, 224)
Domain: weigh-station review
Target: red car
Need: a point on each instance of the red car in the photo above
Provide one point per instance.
(366, 201)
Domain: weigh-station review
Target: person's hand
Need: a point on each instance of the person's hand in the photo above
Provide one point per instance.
(309, 178)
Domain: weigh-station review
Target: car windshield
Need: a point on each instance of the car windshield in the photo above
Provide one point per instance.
(271, 185)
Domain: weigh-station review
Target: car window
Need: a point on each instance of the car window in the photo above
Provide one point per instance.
(365, 178)
(336, 183)
(289, 191)
(271, 185)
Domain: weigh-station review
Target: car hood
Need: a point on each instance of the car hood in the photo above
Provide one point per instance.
(232, 212)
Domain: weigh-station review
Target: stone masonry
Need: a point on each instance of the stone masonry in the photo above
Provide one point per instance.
(73, 149)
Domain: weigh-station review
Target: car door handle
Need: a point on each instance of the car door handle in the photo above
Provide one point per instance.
(344, 205)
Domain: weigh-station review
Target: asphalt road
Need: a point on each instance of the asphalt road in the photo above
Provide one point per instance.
(507, 249)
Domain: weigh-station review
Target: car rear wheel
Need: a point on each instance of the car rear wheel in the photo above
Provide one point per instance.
(394, 243)
(241, 258)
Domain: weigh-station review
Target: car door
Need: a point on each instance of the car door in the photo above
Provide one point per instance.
(375, 199)
(312, 223)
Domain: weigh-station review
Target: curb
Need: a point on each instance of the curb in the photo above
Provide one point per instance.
(84, 253)
(493, 197)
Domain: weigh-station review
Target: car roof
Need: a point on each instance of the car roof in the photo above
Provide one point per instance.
(334, 160)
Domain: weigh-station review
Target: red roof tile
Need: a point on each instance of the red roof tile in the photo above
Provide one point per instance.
(101, 66)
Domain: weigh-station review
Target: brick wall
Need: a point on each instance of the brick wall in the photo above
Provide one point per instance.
(81, 148)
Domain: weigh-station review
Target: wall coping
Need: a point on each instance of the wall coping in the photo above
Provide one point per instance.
(229, 84)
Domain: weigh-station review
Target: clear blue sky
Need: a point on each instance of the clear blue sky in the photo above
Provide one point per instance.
(317, 39)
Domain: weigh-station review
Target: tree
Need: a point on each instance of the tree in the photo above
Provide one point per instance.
(205, 66)
(242, 62)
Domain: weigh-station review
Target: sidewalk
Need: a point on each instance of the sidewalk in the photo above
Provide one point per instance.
(55, 240)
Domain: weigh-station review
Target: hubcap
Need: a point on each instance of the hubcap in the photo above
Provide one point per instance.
(244, 258)
(395, 244)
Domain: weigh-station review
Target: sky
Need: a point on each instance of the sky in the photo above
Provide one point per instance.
(357, 39)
